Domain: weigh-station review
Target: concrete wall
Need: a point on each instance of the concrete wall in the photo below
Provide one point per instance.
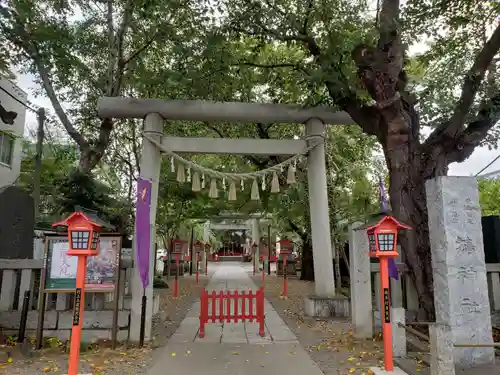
(9, 174)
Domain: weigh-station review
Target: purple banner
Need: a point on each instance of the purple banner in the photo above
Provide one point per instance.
(143, 229)
(393, 269)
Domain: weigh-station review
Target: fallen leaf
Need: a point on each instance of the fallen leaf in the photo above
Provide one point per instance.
(174, 355)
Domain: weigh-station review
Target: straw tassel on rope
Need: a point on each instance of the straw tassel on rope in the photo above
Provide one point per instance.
(254, 195)
(181, 174)
(232, 191)
(196, 186)
(290, 178)
(275, 183)
(213, 192)
(172, 165)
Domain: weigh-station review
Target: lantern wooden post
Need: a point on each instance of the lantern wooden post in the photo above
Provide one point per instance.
(83, 241)
(383, 239)
(254, 257)
(197, 247)
(207, 251)
(263, 257)
(286, 248)
(177, 251)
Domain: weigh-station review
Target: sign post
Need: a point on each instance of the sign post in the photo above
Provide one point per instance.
(83, 237)
(382, 238)
(286, 248)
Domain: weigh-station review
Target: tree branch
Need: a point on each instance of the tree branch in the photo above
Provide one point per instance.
(120, 40)
(463, 145)
(140, 50)
(310, 6)
(49, 90)
(470, 87)
(112, 53)
(296, 229)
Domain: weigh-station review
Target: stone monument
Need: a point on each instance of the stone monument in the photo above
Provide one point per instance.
(17, 223)
(459, 269)
(361, 285)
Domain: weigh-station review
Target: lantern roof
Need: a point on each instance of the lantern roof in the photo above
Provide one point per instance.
(378, 219)
(89, 216)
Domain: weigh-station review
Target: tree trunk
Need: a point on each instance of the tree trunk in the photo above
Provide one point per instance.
(307, 272)
(408, 201)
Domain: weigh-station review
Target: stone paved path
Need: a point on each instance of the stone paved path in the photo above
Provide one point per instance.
(233, 348)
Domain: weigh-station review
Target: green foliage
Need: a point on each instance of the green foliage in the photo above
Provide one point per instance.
(63, 187)
(489, 196)
(217, 59)
(454, 32)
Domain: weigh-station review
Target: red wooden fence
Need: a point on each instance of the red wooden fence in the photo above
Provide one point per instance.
(225, 307)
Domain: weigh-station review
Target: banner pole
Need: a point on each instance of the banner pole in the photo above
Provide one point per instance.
(143, 317)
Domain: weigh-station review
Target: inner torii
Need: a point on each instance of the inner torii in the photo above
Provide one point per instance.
(155, 112)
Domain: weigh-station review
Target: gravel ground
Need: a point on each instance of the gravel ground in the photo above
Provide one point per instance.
(102, 360)
(329, 342)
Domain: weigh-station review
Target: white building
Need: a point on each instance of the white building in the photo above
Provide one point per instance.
(11, 136)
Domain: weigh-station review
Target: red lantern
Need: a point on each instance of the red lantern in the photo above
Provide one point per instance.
(83, 234)
(198, 247)
(286, 246)
(178, 246)
(383, 237)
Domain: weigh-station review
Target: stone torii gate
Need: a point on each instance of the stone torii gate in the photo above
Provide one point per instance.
(155, 112)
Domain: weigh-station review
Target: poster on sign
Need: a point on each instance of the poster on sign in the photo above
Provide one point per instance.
(101, 269)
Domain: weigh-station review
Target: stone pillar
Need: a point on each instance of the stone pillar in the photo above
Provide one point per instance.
(150, 169)
(377, 289)
(206, 232)
(256, 240)
(9, 280)
(398, 332)
(441, 346)
(459, 270)
(494, 288)
(412, 303)
(62, 301)
(324, 285)
(361, 286)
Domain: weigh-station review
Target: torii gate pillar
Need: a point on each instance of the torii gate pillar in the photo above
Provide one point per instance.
(150, 169)
(324, 282)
